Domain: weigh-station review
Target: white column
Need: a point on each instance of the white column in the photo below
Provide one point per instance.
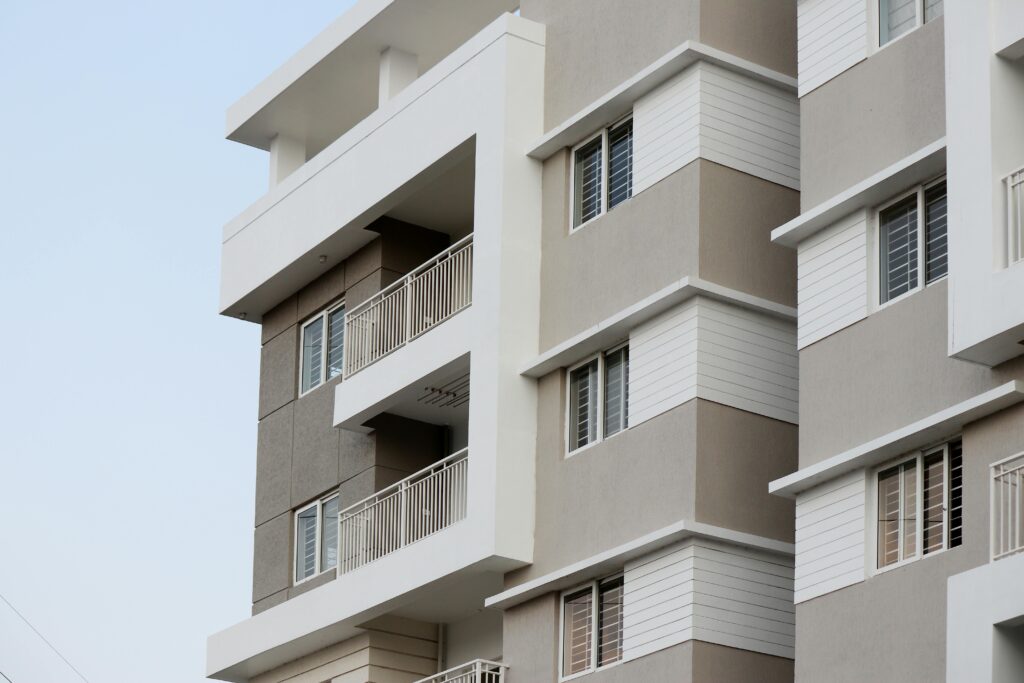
(286, 155)
(397, 70)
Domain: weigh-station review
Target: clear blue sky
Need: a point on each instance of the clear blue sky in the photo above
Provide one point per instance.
(127, 405)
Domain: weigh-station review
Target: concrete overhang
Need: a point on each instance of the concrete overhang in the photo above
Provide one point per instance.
(613, 559)
(456, 572)
(383, 163)
(918, 434)
(338, 71)
(615, 328)
(619, 100)
(922, 165)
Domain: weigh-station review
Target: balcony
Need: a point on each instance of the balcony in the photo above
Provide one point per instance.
(1007, 508)
(477, 671)
(410, 307)
(406, 512)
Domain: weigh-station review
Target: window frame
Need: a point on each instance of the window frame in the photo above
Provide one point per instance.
(317, 568)
(876, 43)
(918, 458)
(594, 585)
(325, 341)
(605, 171)
(920, 191)
(601, 376)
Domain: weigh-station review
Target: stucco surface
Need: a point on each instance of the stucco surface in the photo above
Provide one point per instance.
(872, 115)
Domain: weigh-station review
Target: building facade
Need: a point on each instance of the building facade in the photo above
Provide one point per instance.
(545, 288)
(910, 302)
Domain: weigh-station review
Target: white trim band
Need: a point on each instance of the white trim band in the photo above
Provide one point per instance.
(922, 165)
(932, 428)
(619, 100)
(613, 560)
(616, 328)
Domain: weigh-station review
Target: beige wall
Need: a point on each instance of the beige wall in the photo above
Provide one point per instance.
(704, 220)
(737, 453)
(594, 45)
(892, 627)
(884, 373)
(737, 215)
(598, 498)
(763, 32)
(872, 115)
(299, 454)
(700, 461)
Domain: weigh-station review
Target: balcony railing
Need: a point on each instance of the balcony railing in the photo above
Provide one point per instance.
(422, 504)
(423, 299)
(478, 671)
(1007, 508)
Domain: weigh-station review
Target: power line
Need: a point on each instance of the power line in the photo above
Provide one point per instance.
(43, 638)
(5, 677)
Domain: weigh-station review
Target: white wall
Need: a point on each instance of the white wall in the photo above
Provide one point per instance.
(832, 279)
(710, 591)
(985, 142)
(832, 36)
(716, 351)
(977, 602)
(830, 536)
(720, 115)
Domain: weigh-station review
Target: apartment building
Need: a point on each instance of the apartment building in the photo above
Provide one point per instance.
(910, 332)
(528, 353)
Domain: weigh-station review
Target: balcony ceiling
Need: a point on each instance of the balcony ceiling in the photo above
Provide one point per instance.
(338, 70)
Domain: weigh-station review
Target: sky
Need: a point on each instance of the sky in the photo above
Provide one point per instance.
(127, 405)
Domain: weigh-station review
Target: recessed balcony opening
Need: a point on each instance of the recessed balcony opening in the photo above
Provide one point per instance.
(432, 291)
(426, 430)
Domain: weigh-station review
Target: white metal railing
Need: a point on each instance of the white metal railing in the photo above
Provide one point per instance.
(402, 311)
(1015, 216)
(1007, 507)
(477, 671)
(422, 504)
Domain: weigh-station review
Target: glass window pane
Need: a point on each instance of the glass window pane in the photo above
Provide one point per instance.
(312, 353)
(305, 544)
(933, 500)
(329, 538)
(909, 510)
(898, 257)
(335, 341)
(620, 163)
(609, 621)
(577, 634)
(587, 179)
(932, 9)
(935, 232)
(888, 517)
(616, 391)
(895, 17)
(583, 405)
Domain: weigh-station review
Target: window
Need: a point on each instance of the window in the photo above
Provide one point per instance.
(905, 242)
(602, 172)
(897, 17)
(318, 345)
(920, 505)
(598, 398)
(1015, 216)
(592, 636)
(316, 538)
